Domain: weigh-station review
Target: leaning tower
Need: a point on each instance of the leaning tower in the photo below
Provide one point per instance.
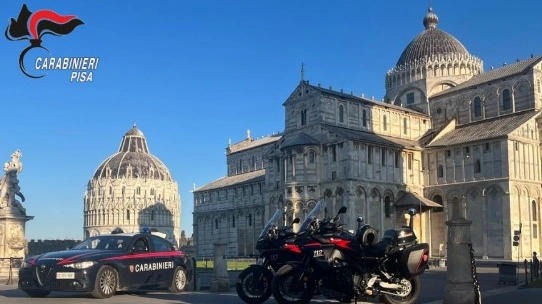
(132, 189)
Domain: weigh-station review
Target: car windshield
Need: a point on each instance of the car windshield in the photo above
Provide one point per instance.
(315, 212)
(273, 222)
(105, 242)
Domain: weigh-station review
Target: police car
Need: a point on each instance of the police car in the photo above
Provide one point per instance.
(105, 264)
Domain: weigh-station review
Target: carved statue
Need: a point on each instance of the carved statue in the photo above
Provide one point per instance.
(9, 184)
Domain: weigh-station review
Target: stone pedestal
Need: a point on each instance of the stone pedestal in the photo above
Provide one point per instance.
(220, 281)
(459, 283)
(12, 244)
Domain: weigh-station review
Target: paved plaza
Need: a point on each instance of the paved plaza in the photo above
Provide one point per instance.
(433, 283)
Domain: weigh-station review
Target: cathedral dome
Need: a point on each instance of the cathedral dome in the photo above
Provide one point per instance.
(431, 42)
(133, 160)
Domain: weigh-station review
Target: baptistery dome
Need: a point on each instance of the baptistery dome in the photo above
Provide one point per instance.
(133, 159)
(132, 190)
(431, 42)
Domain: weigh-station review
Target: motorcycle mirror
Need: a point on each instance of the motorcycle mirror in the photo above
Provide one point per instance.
(296, 220)
(360, 221)
(411, 211)
(342, 210)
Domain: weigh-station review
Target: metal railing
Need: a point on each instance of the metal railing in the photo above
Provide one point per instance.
(12, 260)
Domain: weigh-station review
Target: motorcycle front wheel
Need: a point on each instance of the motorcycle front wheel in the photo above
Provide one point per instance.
(408, 294)
(291, 286)
(254, 284)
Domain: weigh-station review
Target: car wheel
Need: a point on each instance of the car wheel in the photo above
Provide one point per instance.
(178, 284)
(37, 293)
(106, 283)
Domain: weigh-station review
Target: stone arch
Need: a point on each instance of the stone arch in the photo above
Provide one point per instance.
(374, 208)
(397, 98)
(493, 218)
(299, 210)
(454, 199)
(360, 204)
(436, 85)
(388, 200)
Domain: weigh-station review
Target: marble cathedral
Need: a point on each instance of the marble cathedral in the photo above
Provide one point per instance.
(132, 189)
(448, 137)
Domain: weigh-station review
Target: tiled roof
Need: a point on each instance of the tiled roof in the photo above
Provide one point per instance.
(365, 100)
(352, 97)
(372, 137)
(298, 139)
(497, 127)
(252, 143)
(228, 181)
(492, 75)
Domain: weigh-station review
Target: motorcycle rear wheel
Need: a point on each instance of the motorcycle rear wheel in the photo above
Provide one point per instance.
(254, 284)
(408, 295)
(290, 288)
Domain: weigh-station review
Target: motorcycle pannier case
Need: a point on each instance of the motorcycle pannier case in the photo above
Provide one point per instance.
(414, 260)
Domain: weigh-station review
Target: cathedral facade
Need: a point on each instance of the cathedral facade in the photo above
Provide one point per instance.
(132, 190)
(449, 139)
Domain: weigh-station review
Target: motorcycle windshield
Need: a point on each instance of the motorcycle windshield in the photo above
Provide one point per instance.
(273, 222)
(315, 212)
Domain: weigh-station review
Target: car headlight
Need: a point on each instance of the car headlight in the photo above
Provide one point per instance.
(81, 265)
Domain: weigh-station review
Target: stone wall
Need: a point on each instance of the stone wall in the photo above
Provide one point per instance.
(35, 247)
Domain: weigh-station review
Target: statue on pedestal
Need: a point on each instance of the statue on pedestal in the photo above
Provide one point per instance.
(9, 185)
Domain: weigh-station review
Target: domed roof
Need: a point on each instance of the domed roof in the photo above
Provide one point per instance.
(133, 160)
(431, 42)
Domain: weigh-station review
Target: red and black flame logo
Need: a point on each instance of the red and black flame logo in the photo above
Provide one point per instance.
(33, 26)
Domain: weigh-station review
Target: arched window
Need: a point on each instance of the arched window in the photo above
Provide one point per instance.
(364, 118)
(477, 166)
(506, 100)
(311, 157)
(387, 206)
(440, 171)
(477, 107)
(152, 215)
(233, 221)
(405, 126)
(385, 122)
(216, 223)
(534, 211)
(341, 114)
(123, 190)
(250, 219)
(303, 117)
(128, 215)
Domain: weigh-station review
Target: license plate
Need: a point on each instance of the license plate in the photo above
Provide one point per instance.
(65, 275)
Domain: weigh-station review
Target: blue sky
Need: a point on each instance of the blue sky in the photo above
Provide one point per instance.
(194, 74)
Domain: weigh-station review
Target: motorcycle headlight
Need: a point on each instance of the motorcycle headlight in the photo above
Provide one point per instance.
(81, 265)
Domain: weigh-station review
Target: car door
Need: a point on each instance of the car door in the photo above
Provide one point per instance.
(164, 253)
(140, 264)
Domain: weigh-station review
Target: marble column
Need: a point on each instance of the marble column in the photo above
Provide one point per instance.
(459, 287)
(220, 281)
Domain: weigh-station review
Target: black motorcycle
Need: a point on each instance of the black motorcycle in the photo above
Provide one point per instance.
(254, 283)
(346, 266)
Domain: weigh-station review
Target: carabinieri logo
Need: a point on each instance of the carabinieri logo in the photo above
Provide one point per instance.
(33, 26)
